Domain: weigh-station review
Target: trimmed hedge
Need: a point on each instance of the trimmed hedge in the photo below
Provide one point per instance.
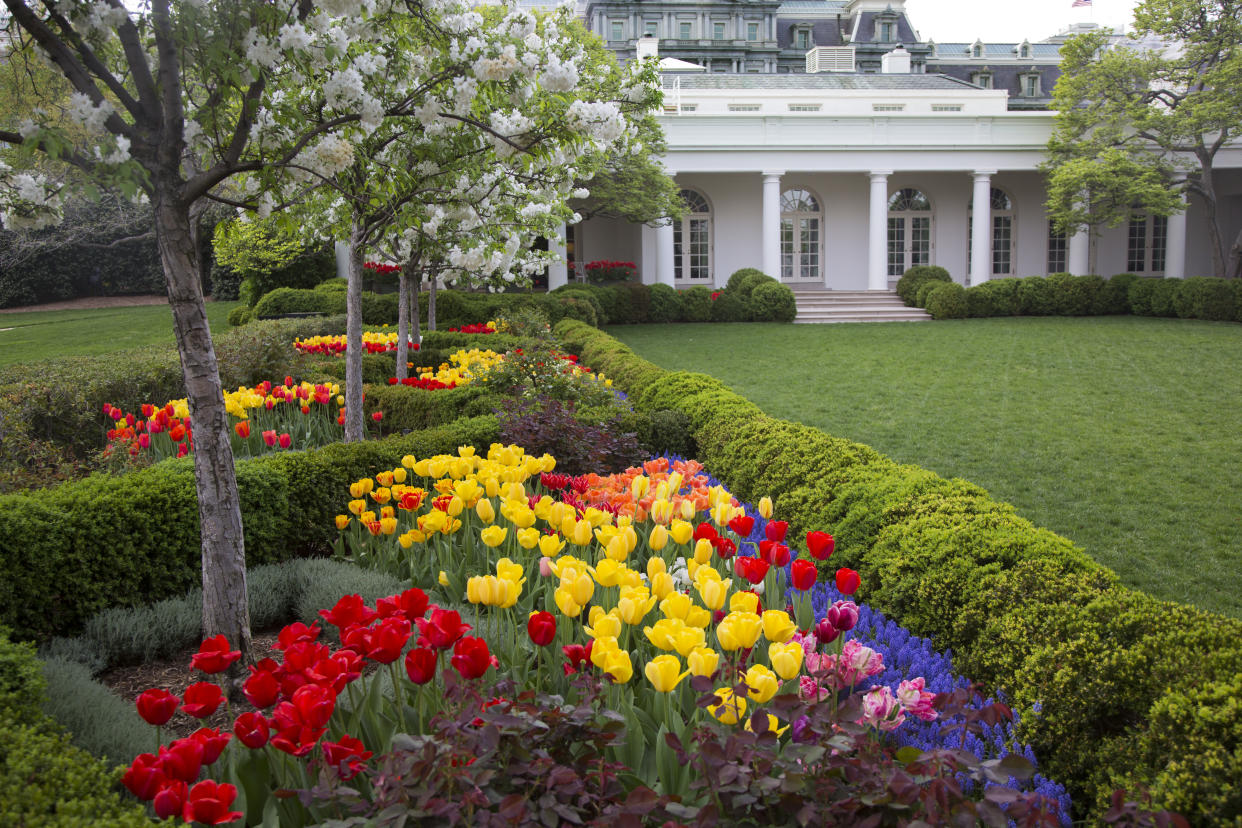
(916, 277)
(946, 300)
(106, 541)
(1115, 688)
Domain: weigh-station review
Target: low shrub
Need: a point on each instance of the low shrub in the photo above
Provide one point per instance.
(914, 278)
(696, 304)
(410, 409)
(735, 280)
(1200, 297)
(240, 315)
(1075, 295)
(548, 426)
(1036, 296)
(729, 307)
(947, 300)
(671, 434)
(1114, 295)
(1163, 295)
(665, 304)
(1139, 296)
(773, 302)
(981, 301)
(581, 294)
(98, 721)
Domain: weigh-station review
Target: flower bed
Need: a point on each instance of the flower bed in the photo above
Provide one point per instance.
(373, 342)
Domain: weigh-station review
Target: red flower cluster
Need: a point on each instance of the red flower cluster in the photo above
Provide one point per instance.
(136, 433)
(301, 691)
(604, 264)
(380, 267)
(418, 382)
(474, 328)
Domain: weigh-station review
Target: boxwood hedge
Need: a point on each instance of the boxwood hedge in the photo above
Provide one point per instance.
(1116, 688)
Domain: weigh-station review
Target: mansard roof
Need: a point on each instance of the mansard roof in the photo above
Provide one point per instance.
(827, 80)
(997, 51)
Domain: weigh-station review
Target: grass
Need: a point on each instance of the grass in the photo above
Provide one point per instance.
(38, 335)
(1123, 434)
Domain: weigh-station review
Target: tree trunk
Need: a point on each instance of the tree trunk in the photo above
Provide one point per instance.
(225, 605)
(431, 299)
(415, 310)
(403, 326)
(355, 424)
(1207, 191)
(1235, 257)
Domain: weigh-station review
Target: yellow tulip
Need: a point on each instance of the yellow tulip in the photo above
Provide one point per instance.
(689, 639)
(476, 589)
(547, 462)
(778, 626)
(491, 486)
(662, 585)
(698, 617)
(605, 534)
(550, 545)
(493, 536)
(687, 509)
(582, 589)
(527, 538)
(566, 604)
(357, 507)
(761, 683)
(521, 516)
(703, 551)
(722, 513)
(485, 510)
(408, 461)
(786, 659)
(639, 486)
(771, 722)
(356, 489)
(470, 492)
(367, 517)
(406, 539)
(600, 650)
(398, 475)
(661, 511)
(580, 534)
(387, 512)
(703, 661)
(713, 592)
(513, 491)
(634, 607)
(739, 630)
(628, 533)
(744, 602)
(608, 572)
(663, 633)
(605, 625)
(511, 571)
(443, 580)
(657, 540)
(618, 667)
(674, 483)
(730, 708)
(681, 531)
(632, 578)
(765, 507)
(675, 605)
(617, 549)
(455, 506)
(557, 513)
(664, 673)
(598, 517)
(342, 522)
(388, 525)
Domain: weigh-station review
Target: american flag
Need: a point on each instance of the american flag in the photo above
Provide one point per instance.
(1078, 3)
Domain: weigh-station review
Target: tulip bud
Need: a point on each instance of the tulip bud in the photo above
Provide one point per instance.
(485, 510)
(765, 507)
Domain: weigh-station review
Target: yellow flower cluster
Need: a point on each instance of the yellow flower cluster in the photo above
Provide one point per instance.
(463, 367)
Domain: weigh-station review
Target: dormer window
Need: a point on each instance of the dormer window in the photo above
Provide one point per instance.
(802, 37)
(931, 49)
(1029, 84)
(1024, 50)
(981, 79)
(976, 49)
(887, 31)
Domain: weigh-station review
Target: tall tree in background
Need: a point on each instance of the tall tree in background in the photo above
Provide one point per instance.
(1131, 116)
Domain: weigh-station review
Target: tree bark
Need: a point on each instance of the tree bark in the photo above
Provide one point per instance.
(403, 326)
(415, 310)
(431, 299)
(355, 424)
(1207, 191)
(225, 605)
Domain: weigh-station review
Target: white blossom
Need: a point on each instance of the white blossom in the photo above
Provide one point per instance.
(330, 156)
(295, 36)
(85, 112)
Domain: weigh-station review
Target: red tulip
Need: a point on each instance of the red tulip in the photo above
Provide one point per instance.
(443, 628)
(420, 665)
(285, 440)
(775, 530)
(183, 759)
(242, 429)
(725, 548)
(743, 525)
(847, 581)
(297, 740)
(412, 604)
(471, 657)
(389, 639)
(752, 569)
(311, 705)
(826, 631)
(288, 381)
(820, 545)
(541, 627)
(577, 657)
(349, 610)
(170, 801)
(177, 433)
(145, 776)
(214, 655)
(157, 706)
(269, 438)
(804, 574)
(377, 416)
(705, 530)
(251, 730)
(776, 554)
(209, 803)
(295, 632)
(348, 750)
(212, 742)
(202, 699)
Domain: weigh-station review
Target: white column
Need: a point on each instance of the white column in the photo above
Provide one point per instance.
(877, 232)
(1175, 244)
(981, 228)
(1078, 261)
(664, 254)
(649, 263)
(558, 271)
(772, 223)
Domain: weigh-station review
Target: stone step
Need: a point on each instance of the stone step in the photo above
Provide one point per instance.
(850, 317)
(828, 306)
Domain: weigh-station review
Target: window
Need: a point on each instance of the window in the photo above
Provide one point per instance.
(909, 230)
(1147, 244)
(888, 107)
(800, 236)
(981, 79)
(1024, 51)
(689, 107)
(1030, 85)
(718, 31)
(752, 31)
(886, 32)
(1002, 232)
(652, 27)
(616, 29)
(692, 239)
(683, 30)
(745, 107)
(1057, 250)
(804, 107)
(946, 107)
(976, 51)
(802, 38)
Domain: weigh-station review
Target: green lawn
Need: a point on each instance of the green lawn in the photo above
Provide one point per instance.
(1124, 434)
(38, 335)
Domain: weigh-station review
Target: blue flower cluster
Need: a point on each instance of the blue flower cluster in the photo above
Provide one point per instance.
(908, 656)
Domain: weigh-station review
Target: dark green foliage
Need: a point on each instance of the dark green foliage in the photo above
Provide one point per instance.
(735, 281)
(319, 584)
(1163, 295)
(665, 304)
(98, 721)
(947, 301)
(573, 307)
(729, 307)
(671, 434)
(409, 409)
(292, 300)
(923, 291)
(696, 304)
(1075, 295)
(981, 301)
(773, 302)
(754, 280)
(225, 283)
(307, 270)
(1237, 302)
(1201, 297)
(914, 278)
(1036, 297)
(240, 315)
(1004, 295)
(1114, 296)
(449, 341)
(126, 541)
(21, 682)
(331, 286)
(639, 302)
(1140, 295)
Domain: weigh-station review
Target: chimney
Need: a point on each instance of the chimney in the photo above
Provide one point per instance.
(647, 46)
(896, 62)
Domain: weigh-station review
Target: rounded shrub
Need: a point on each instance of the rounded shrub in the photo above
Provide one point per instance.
(333, 285)
(1200, 297)
(240, 315)
(980, 301)
(1004, 293)
(914, 278)
(947, 301)
(576, 307)
(1163, 294)
(729, 307)
(284, 300)
(696, 304)
(583, 294)
(735, 281)
(1139, 296)
(773, 302)
(1074, 295)
(920, 296)
(665, 304)
(1114, 295)
(1036, 297)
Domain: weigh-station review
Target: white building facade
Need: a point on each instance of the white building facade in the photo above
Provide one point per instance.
(844, 179)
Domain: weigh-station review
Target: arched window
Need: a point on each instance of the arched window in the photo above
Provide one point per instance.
(692, 239)
(976, 49)
(801, 236)
(909, 230)
(1002, 232)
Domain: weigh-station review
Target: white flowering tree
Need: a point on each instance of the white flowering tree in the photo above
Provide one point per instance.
(174, 102)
